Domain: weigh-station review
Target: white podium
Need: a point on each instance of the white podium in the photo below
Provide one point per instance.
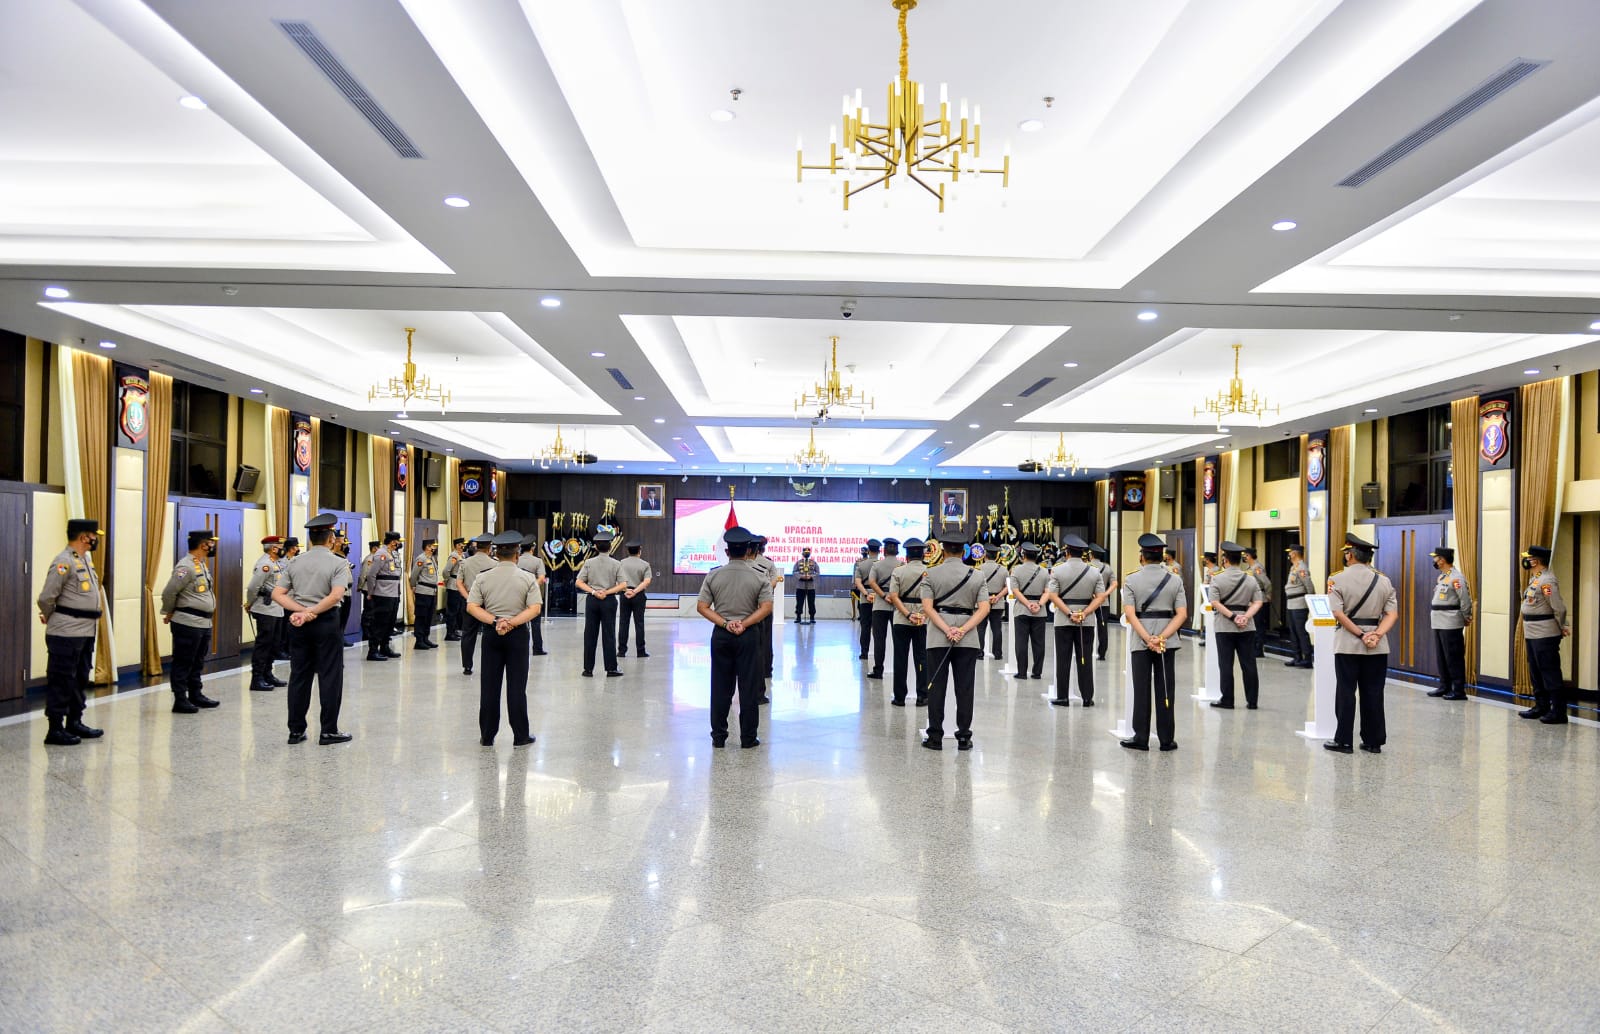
(1124, 727)
(1321, 625)
(1211, 675)
(1008, 627)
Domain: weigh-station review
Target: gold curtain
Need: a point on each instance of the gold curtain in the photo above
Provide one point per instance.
(1341, 454)
(91, 376)
(1227, 497)
(157, 464)
(1464, 464)
(278, 450)
(452, 489)
(1152, 500)
(1539, 411)
(1304, 493)
(314, 503)
(382, 483)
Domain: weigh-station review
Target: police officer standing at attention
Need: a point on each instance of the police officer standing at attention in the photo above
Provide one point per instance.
(757, 558)
(504, 599)
(1074, 594)
(735, 598)
(187, 604)
(1156, 607)
(467, 573)
(360, 574)
(425, 593)
(1102, 633)
(454, 603)
(381, 583)
(1451, 613)
(882, 610)
(636, 575)
(805, 594)
(1364, 604)
(910, 628)
(531, 562)
(994, 576)
(1235, 599)
(1295, 589)
(1264, 615)
(310, 590)
(864, 599)
(1544, 625)
(601, 578)
(1028, 581)
(267, 615)
(953, 603)
(70, 606)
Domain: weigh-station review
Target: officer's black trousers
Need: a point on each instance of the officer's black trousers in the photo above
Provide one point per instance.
(381, 624)
(505, 659)
(269, 639)
(316, 648)
(1362, 674)
(1451, 646)
(69, 659)
(864, 615)
(910, 660)
(1263, 625)
(455, 609)
(1073, 643)
(805, 601)
(422, 619)
(766, 648)
(1030, 636)
(631, 612)
(470, 627)
(1153, 676)
(1240, 645)
(1544, 669)
(1299, 638)
(1102, 632)
(945, 663)
(880, 638)
(993, 628)
(600, 626)
(536, 633)
(733, 667)
(189, 648)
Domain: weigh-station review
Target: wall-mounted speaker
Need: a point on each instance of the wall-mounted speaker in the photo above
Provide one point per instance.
(1169, 483)
(1371, 496)
(244, 482)
(433, 472)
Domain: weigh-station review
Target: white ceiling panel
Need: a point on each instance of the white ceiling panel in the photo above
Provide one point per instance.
(845, 445)
(1096, 451)
(520, 443)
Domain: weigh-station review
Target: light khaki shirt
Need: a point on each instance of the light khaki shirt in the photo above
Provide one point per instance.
(906, 585)
(1345, 590)
(505, 590)
(472, 567)
(1451, 606)
(425, 575)
(70, 582)
(1544, 612)
(1155, 594)
(263, 579)
(880, 573)
(1235, 588)
(1077, 583)
(190, 586)
(635, 570)
(735, 590)
(311, 576)
(962, 590)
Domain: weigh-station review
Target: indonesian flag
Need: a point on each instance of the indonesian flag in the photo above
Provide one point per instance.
(732, 521)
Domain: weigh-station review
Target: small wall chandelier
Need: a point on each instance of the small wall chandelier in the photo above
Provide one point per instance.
(1234, 400)
(557, 453)
(1061, 460)
(409, 386)
(907, 142)
(832, 393)
(812, 459)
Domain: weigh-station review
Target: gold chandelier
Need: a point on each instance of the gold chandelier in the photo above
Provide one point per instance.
(409, 386)
(1234, 401)
(906, 142)
(812, 459)
(832, 393)
(1061, 460)
(558, 453)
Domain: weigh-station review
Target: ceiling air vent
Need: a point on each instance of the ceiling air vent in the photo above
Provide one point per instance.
(1035, 386)
(1453, 393)
(1487, 91)
(311, 45)
(167, 366)
(616, 375)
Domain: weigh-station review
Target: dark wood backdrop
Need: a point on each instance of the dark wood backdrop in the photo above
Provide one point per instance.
(530, 497)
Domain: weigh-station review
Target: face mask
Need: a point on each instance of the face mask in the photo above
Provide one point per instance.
(94, 544)
(1527, 563)
(1347, 557)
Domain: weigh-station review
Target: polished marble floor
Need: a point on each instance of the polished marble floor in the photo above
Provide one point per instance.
(194, 873)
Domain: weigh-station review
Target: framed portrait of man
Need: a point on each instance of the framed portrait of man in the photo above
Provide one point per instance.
(953, 506)
(651, 500)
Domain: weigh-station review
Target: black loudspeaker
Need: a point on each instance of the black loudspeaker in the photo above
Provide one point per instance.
(244, 482)
(1169, 484)
(1371, 496)
(432, 472)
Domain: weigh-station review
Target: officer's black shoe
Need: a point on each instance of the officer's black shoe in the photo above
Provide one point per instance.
(1293, 662)
(466, 671)
(260, 686)
(719, 741)
(1135, 744)
(486, 742)
(922, 701)
(329, 738)
(1441, 691)
(296, 737)
(1060, 702)
(747, 745)
(452, 638)
(1533, 712)
(1219, 704)
(963, 743)
(1100, 657)
(641, 653)
(275, 682)
(390, 653)
(201, 700)
(1338, 748)
(182, 706)
(861, 656)
(874, 674)
(82, 731)
(58, 736)
(766, 699)
(1554, 718)
(1170, 746)
(377, 657)
(613, 674)
(522, 742)
(622, 653)
(1372, 750)
(1252, 707)
(587, 674)
(933, 744)
(900, 702)
(540, 653)
(1088, 703)
(1021, 675)
(1457, 695)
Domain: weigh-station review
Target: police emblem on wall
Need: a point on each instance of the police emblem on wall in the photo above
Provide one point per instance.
(471, 482)
(1494, 432)
(1208, 481)
(133, 410)
(1317, 464)
(402, 466)
(1133, 491)
(300, 442)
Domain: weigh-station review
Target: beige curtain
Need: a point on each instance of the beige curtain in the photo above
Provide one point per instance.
(452, 489)
(314, 504)
(278, 436)
(157, 471)
(91, 376)
(1341, 453)
(1228, 497)
(1464, 462)
(1539, 413)
(1305, 495)
(382, 483)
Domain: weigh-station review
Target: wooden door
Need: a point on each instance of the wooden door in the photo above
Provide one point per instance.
(1403, 556)
(1274, 558)
(1181, 542)
(350, 527)
(226, 567)
(17, 614)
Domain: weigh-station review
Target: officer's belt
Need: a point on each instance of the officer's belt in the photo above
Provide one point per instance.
(1367, 622)
(1446, 606)
(1295, 595)
(1141, 615)
(956, 610)
(1079, 603)
(1033, 599)
(194, 612)
(74, 612)
(1525, 617)
(387, 577)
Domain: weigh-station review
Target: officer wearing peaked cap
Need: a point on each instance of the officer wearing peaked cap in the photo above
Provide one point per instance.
(1450, 612)
(70, 605)
(531, 562)
(1156, 606)
(1297, 586)
(380, 582)
(601, 578)
(910, 629)
(1027, 582)
(188, 603)
(1100, 558)
(310, 590)
(454, 603)
(736, 599)
(994, 575)
(1364, 604)
(425, 592)
(503, 600)
(636, 573)
(1544, 625)
(954, 604)
(864, 601)
(467, 572)
(1235, 600)
(267, 615)
(1074, 592)
(882, 611)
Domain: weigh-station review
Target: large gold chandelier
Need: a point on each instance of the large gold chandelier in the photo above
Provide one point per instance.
(1234, 401)
(558, 453)
(832, 393)
(1061, 461)
(409, 386)
(812, 459)
(906, 142)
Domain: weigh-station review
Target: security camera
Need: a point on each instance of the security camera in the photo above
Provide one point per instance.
(847, 308)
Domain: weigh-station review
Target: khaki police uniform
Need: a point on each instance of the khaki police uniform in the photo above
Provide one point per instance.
(1233, 591)
(531, 562)
(455, 603)
(1364, 595)
(993, 628)
(805, 593)
(505, 591)
(1296, 588)
(1264, 615)
(190, 601)
(769, 571)
(1449, 612)
(882, 611)
(956, 593)
(735, 591)
(910, 640)
(71, 601)
(1156, 596)
(466, 574)
(630, 610)
(380, 582)
(1102, 632)
(863, 571)
(316, 648)
(1075, 583)
(268, 619)
(425, 598)
(601, 573)
(1544, 617)
(1028, 582)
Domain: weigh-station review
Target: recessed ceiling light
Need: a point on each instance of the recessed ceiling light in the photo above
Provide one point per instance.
(638, 398)
(619, 466)
(192, 102)
(108, 344)
(1007, 405)
(694, 466)
(1070, 366)
(1369, 411)
(1595, 325)
(258, 391)
(986, 472)
(1284, 224)
(457, 201)
(57, 292)
(1530, 373)
(1030, 125)
(550, 303)
(721, 115)
(677, 437)
(597, 355)
(661, 419)
(949, 443)
(973, 426)
(1148, 315)
(1220, 430)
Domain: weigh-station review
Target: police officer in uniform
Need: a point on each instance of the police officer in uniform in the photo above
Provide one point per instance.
(636, 575)
(267, 615)
(291, 549)
(380, 581)
(757, 558)
(910, 627)
(882, 611)
(531, 562)
(504, 599)
(1074, 593)
(994, 576)
(735, 598)
(1235, 600)
(187, 604)
(1364, 604)
(454, 603)
(805, 595)
(1102, 633)
(360, 583)
(70, 605)
(425, 593)
(1295, 590)
(1264, 615)
(466, 573)
(1028, 581)
(601, 578)
(1156, 607)
(1544, 625)
(311, 588)
(864, 599)
(954, 603)
(1451, 613)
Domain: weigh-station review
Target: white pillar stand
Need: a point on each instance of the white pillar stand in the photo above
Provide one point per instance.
(1211, 687)
(1321, 625)
(778, 610)
(1124, 728)
(1009, 628)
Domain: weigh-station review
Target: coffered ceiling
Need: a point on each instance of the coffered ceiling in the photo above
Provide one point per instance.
(633, 262)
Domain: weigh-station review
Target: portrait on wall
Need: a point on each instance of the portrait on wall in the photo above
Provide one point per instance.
(953, 506)
(651, 500)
